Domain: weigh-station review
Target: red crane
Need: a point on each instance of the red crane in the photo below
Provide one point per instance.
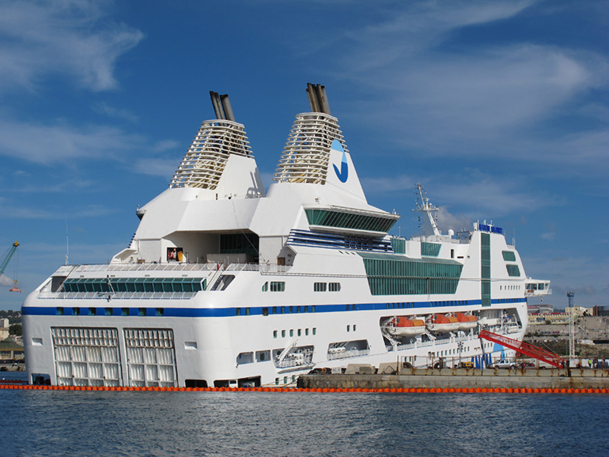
(524, 348)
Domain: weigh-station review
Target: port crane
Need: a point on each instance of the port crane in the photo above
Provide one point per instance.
(5, 259)
(524, 348)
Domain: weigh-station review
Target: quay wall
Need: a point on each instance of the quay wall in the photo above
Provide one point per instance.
(462, 378)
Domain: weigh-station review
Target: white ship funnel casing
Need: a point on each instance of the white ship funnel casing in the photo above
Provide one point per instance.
(316, 153)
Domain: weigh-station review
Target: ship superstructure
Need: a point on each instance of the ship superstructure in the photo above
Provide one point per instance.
(224, 284)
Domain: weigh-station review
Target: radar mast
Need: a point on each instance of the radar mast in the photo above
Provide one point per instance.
(429, 225)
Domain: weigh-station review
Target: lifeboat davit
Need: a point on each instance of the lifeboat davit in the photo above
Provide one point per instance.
(402, 326)
(466, 321)
(443, 324)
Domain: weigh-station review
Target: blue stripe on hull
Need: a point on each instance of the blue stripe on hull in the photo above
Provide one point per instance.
(253, 311)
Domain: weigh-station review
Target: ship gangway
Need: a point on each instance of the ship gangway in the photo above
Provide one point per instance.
(524, 348)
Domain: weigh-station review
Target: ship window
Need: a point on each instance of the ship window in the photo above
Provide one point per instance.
(60, 311)
(276, 381)
(274, 310)
(347, 307)
(265, 311)
(299, 332)
(335, 287)
(283, 334)
(125, 311)
(224, 281)
(92, 311)
(312, 308)
(314, 330)
(237, 311)
(306, 309)
(354, 327)
(290, 309)
(160, 311)
(265, 287)
(348, 328)
(108, 311)
(282, 310)
(274, 333)
(247, 311)
(141, 311)
(277, 286)
(291, 332)
(319, 287)
(513, 270)
(306, 332)
(509, 256)
(77, 311)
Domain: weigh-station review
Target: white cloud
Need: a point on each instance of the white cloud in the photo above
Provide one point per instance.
(5, 281)
(104, 108)
(476, 101)
(157, 167)
(47, 144)
(38, 38)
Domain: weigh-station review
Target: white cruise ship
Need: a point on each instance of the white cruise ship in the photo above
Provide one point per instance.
(224, 284)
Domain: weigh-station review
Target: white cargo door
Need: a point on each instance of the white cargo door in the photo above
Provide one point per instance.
(86, 356)
(151, 357)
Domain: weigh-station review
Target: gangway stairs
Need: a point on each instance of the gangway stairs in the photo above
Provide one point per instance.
(524, 348)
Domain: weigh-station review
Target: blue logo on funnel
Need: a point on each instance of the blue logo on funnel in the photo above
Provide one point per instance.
(343, 174)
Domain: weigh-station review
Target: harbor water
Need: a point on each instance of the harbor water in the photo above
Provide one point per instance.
(83, 423)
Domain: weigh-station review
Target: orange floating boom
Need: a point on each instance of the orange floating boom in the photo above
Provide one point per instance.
(524, 348)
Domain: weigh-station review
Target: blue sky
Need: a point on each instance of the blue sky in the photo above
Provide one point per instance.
(500, 108)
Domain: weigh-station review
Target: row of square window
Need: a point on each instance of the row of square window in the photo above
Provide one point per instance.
(509, 287)
(276, 286)
(299, 332)
(277, 310)
(322, 286)
(279, 286)
(107, 311)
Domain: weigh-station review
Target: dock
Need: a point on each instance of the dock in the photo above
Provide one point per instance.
(364, 377)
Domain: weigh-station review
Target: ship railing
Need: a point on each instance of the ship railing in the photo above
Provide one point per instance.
(349, 353)
(118, 295)
(147, 267)
(263, 268)
(438, 342)
(291, 363)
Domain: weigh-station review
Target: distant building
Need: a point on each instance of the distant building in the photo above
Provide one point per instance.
(540, 309)
(10, 350)
(4, 323)
(549, 318)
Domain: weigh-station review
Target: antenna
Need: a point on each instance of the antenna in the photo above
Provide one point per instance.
(67, 241)
(430, 227)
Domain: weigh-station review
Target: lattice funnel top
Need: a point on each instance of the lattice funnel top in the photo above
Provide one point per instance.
(306, 155)
(204, 163)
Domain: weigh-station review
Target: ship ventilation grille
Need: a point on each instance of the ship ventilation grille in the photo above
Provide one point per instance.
(307, 151)
(204, 163)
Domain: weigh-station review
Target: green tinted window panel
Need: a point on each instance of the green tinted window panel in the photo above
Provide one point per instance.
(430, 249)
(337, 219)
(390, 275)
(513, 270)
(509, 256)
(398, 245)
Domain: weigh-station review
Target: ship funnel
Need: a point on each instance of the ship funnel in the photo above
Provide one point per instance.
(222, 106)
(318, 99)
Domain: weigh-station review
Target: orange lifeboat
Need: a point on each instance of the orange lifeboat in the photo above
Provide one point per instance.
(466, 321)
(443, 324)
(402, 326)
